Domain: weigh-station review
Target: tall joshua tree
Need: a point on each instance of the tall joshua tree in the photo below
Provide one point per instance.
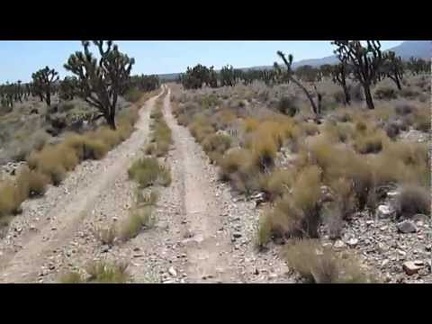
(289, 73)
(101, 81)
(339, 74)
(43, 83)
(393, 68)
(365, 62)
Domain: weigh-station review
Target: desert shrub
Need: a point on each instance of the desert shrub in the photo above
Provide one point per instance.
(106, 235)
(278, 182)
(233, 160)
(33, 182)
(103, 272)
(216, 143)
(338, 132)
(288, 106)
(370, 143)
(410, 93)
(385, 92)
(53, 161)
(422, 120)
(343, 196)
(71, 277)
(137, 220)
(107, 136)
(10, 198)
(237, 167)
(297, 214)
(316, 264)
(133, 95)
(413, 199)
(392, 129)
(310, 129)
(146, 199)
(148, 171)
(404, 108)
(201, 129)
(250, 124)
(264, 149)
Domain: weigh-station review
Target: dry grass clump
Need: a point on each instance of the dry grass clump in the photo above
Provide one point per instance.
(237, 167)
(138, 219)
(148, 171)
(104, 272)
(296, 213)
(316, 264)
(413, 199)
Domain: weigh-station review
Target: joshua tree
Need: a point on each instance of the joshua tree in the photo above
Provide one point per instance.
(288, 62)
(101, 81)
(195, 77)
(227, 76)
(43, 83)
(339, 74)
(365, 62)
(393, 68)
(212, 78)
(67, 88)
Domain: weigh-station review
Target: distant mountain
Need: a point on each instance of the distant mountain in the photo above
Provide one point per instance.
(417, 49)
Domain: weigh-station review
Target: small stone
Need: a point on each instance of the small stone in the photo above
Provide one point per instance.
(401, 253)
(384, 211)
(411, 268)
(428, 248)
(51, 266)
(339, 244)
(383, 228)
(406, 227)
(419, 263)
(381, 247)
(184, 221)
(237, 235)
(136, 249)
(392, 194)
(105, 248)
(384, 263)
(352, 242)
(115, 219)
(273, 275)
(172, 272)
(256, 272)
(369, 222)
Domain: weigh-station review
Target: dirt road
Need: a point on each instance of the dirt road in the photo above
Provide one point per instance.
(201, 235)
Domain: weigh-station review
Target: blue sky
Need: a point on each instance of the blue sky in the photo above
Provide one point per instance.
(19, 59)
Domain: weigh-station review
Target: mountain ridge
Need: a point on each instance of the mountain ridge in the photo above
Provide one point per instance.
(407, 49)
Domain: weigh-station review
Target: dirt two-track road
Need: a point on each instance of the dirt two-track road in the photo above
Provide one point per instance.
(201, 234)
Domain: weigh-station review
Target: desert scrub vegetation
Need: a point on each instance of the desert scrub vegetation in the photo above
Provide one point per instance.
(317, 264)
(148, 171)
(99, 272)
(50, 164)
(161, 137)
(141, 216)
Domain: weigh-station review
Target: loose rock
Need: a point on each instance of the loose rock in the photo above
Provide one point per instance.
(172, 272)
(406, 227)
(411, 268)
